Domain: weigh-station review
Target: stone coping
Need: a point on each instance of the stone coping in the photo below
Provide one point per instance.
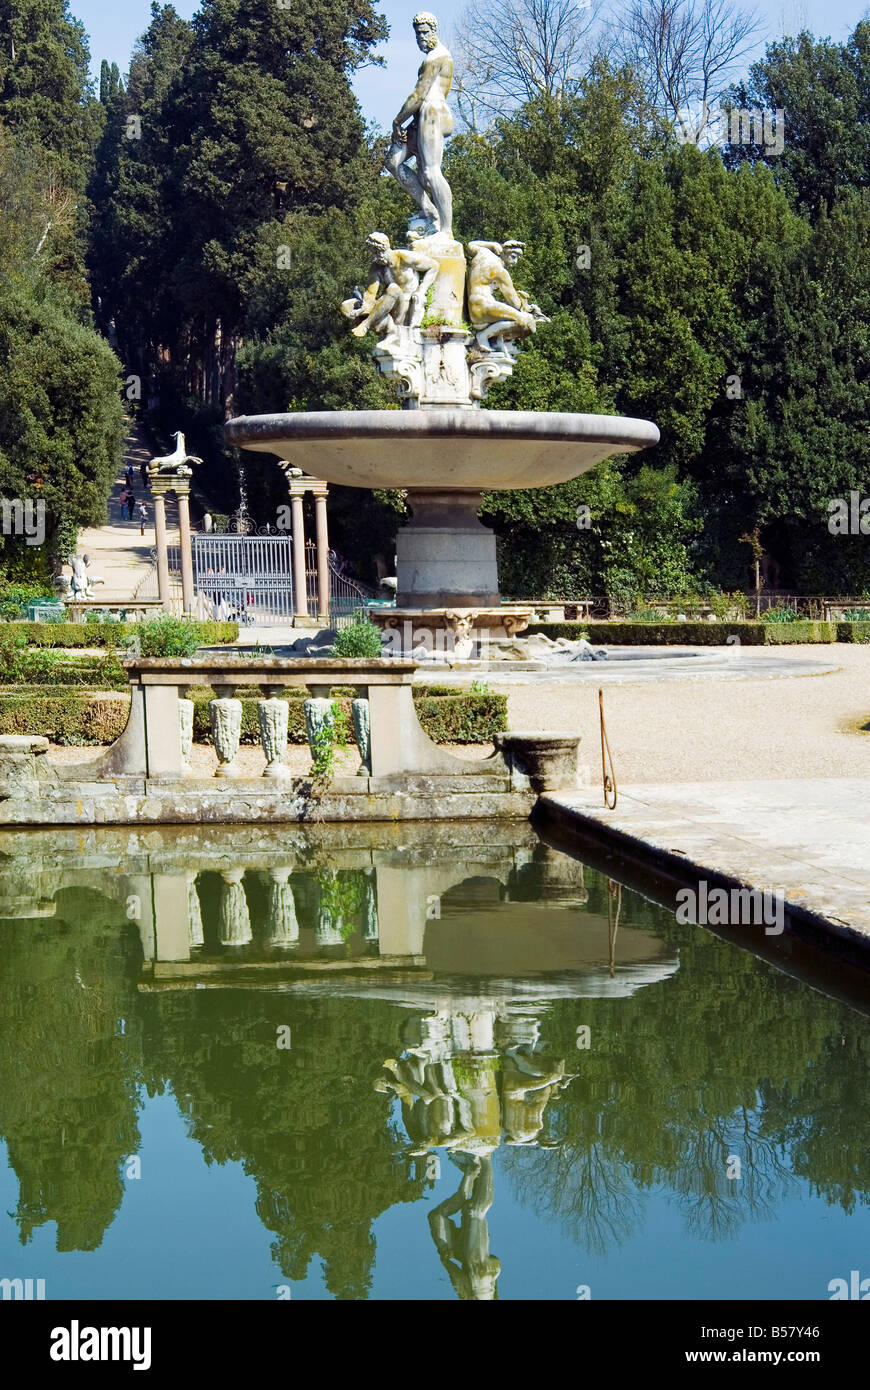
(144, 802)
(275, 670)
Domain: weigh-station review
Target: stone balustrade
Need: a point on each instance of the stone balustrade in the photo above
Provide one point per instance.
(156, 742)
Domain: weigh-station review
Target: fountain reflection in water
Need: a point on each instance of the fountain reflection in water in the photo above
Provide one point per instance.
(438, 1069)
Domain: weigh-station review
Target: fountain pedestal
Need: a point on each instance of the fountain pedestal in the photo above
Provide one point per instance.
(445, 556)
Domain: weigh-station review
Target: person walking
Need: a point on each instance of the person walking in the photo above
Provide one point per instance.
(131, 504)
(143, 518)
(122, 499)
(143, 474)
(129, 476)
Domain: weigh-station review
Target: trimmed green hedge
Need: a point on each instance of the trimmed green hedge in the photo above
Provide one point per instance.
(788, 634)
(212, 634)
(68, 715)
(462, 718)
(45, 668)
(853, 632)
(692, 634)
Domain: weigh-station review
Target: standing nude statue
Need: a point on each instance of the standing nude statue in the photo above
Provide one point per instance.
(396, 294)
(424, 135)
(496, 308)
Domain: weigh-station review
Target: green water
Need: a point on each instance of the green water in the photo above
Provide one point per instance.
(406, 1062)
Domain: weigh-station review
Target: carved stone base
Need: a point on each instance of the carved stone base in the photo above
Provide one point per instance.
(440, 365)
(459, 633)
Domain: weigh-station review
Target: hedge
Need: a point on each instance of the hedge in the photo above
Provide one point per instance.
(212, 634)
(71, 716)
(67, 714)
(98, 672)
(693, 634)
(462, 718)
(853, 632)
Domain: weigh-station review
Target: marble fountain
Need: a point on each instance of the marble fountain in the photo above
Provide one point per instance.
(448, 321)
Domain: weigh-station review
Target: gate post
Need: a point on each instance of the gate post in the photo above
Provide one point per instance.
(159, 490)
(300, 587)
(320, 490)
(182, 493)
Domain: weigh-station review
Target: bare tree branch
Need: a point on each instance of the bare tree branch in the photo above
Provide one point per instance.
(508, 51)
(685, 51)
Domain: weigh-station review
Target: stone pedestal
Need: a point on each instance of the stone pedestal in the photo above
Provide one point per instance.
(19, 774)
(445, 375)
(445, 556)
(447, 296)
(548, 760)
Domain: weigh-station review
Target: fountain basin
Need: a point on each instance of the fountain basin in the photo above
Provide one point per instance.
(450, 449)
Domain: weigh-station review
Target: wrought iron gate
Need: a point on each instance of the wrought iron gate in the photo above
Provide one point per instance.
(247, 578)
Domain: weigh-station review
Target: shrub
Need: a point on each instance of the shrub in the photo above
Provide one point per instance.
(854, 630)
(65, 715)
(211, 634)
(50, 667)
(13, 655)
(359, 638)
(781, 613)
(14, 598)
(751, 634)
(164, 635)
(421, 691)
(462, 718)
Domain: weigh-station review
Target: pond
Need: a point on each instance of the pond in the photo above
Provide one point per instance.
(413, 1062)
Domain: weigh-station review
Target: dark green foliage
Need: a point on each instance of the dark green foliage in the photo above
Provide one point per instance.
(223, 232)
(45, 91)
(824, 89)
(165, 635)
(674, 634)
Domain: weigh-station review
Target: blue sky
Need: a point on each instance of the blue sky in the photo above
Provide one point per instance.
(114, 27)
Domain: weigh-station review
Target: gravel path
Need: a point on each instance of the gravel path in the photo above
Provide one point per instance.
(691, 731)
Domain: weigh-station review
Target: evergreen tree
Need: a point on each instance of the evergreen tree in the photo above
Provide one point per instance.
(823, 88)
(45, 90)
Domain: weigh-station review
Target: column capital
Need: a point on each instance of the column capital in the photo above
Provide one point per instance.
(298, 485)
(162, 484)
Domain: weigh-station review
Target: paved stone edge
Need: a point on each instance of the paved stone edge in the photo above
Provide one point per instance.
(580, 828)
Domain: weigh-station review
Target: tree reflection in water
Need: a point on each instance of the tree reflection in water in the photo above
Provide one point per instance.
(714, 1057)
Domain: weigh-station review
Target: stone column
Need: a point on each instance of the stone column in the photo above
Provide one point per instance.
(300, 587)
(320, 490)
(171, 919)
(182, 492)
(159, 492)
